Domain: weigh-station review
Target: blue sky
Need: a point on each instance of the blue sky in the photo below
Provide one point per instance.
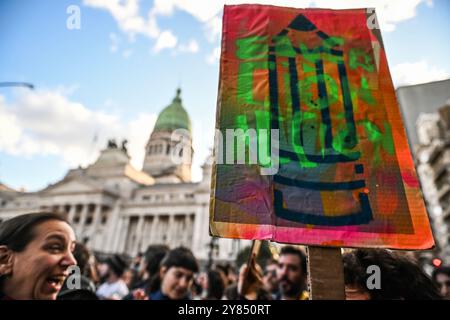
(111, 77)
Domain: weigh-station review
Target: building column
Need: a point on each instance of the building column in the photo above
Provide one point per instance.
(113, 244)
(153, 230)
(73, 208)
(171, 230)
(198, 245)
(123, 234)
(113, 228)
(205, 237)
(181, 230)
(95, 234)
(139, 235)
(189, 230)
(83, 215)
(177, 230)
(148, 224)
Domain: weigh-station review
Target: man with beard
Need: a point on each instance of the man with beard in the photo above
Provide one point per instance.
(114, 288)
(292, 274)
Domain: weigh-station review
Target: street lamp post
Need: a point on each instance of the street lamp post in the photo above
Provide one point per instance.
(17, 84)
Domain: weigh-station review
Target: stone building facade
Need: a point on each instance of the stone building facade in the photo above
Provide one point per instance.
(115, 208)
(432, 155)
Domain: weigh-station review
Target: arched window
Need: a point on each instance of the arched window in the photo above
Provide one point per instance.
(168, 149)
(181, 152)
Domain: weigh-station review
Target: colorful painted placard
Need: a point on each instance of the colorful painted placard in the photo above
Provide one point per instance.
(310, 144)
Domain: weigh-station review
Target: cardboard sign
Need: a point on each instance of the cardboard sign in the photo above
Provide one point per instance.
(310, 144)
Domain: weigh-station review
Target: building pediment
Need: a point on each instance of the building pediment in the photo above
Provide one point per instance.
(75, 185)
(6, 189)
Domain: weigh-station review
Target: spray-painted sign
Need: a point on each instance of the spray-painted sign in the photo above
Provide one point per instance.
(310, 144)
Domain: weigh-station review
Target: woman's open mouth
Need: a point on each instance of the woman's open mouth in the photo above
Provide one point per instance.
(54, 283)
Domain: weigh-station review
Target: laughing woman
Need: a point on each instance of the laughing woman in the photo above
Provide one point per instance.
(35, 254)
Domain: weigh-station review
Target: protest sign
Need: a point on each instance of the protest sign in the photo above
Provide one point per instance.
(310, 144)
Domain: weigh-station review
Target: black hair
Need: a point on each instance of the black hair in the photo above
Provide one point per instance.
(295, 251)
(223, 268)
(179, 257)
(153, 256)
(401, 277)
(117, 264)
(216, 286)
(18, 232)
(82, 254)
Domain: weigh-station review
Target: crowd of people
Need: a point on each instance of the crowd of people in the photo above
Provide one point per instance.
(38, 252)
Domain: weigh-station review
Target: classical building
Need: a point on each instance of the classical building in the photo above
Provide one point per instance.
(419, 98)
(432, 155)
(427, 127)
(115, 208)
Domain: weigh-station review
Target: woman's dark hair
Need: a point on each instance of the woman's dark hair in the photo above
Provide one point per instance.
(18, 232)
(82, 254)
(117, 264)
(180, 258)
(216, 286)
(153, 256)
(401, 277)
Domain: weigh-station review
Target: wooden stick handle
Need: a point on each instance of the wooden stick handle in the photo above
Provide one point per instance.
(326, 273)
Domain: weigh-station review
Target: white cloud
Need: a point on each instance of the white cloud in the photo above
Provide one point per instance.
(213, 28)
(214, 56)
(139, 132)
(131, 21)
(45, 122)
(10, 130)
(163, 7)
(200, 9)
(192, 47)
(389, 12)
(165, 40)
(127, 15)
(410, 73)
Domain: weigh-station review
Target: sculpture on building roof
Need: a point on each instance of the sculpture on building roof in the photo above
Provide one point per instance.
(124, 145)
(112, 144)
